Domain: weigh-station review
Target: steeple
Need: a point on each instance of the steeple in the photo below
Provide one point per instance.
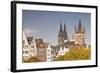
(79, 36)
(62, 35)
(79, 26)
(65, 32)
(64, 27)
(75, 29)
(61, 27)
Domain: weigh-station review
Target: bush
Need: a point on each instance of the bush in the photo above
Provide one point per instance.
(32, 59)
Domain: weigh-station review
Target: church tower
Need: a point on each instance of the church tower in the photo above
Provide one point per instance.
(65, 32)
(62, 35)
(79, 36)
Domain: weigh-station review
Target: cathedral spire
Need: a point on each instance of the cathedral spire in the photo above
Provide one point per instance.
(64, 27)
(79, 26)
(60, 27)
(75, 29)
(65, 32)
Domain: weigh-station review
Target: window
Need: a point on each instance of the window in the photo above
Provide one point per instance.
(32, 42)
(49, 50)
(23, 41)
(26, 46)
(32, 51)
(32, 46)
(25, 52)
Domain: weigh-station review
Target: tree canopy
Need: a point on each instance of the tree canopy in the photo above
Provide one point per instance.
(76, 54)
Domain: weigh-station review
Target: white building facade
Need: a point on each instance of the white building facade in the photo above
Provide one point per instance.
(62, 51)
(48, 54)
(25, 48)
(33, 48)
(29, 49)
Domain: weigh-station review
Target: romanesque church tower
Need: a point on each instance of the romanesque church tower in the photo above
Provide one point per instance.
(62, 35)
(79, 36)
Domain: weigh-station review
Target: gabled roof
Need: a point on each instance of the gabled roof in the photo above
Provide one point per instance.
(40, 43)
(29, 39)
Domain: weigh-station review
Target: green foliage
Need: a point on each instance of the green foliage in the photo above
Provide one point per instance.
(76, 54)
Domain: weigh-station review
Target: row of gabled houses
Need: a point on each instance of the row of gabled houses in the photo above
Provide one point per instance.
(35, 48)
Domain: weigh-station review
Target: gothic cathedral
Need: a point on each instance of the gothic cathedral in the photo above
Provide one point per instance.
(62, 35)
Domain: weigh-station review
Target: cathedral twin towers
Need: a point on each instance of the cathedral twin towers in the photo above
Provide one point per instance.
(62, 34)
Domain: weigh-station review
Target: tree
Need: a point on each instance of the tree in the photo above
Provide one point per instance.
(79, 54)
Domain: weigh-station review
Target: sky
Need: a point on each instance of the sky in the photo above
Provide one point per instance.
(46, 24)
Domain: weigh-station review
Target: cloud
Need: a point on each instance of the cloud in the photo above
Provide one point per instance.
(31, 32)
(28, 31)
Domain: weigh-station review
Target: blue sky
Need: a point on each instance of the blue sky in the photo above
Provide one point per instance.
(46, 24)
